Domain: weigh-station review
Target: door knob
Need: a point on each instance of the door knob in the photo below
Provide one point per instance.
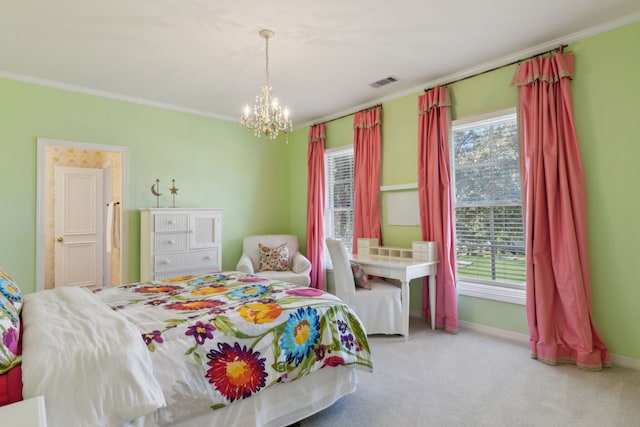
(59, 239)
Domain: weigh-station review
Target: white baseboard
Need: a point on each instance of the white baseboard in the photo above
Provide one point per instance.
(625, 362)
(496, 332)
(616, 360)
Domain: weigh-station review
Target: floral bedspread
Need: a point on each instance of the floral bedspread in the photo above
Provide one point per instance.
(218, 338)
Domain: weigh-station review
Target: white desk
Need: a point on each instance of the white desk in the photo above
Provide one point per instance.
(403, 270)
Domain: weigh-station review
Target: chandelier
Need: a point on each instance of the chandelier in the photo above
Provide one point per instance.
(268, 117)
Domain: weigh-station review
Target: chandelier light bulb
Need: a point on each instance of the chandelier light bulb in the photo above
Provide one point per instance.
(268, 117)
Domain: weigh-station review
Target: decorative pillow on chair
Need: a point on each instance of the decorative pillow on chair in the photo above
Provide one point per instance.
(274, 259)
(360, 276)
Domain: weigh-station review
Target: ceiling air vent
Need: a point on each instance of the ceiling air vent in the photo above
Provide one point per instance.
(383, 82)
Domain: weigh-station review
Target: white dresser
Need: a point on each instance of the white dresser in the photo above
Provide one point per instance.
(178, 242)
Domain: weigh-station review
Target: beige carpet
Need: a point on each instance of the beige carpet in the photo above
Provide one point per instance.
(437, 379)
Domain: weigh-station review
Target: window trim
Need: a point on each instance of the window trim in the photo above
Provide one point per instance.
(335, 151)
(482, 117)
(492, 292)
(478, 289)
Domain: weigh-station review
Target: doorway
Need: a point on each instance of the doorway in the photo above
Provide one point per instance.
(113, 161)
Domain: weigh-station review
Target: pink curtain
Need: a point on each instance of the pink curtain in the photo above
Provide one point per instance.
(366, 175)
(558, 288)
(434, 196)
(315, 205)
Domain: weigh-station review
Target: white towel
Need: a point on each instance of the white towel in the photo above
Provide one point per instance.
(109, 227)
(116, 226)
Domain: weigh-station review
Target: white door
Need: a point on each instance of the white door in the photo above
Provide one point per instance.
(79, 247)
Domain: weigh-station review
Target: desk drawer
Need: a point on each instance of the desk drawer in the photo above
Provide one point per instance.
(377, 270)
(425, 251)
(421, 256)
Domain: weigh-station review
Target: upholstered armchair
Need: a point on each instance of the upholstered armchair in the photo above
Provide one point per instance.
(275, 256)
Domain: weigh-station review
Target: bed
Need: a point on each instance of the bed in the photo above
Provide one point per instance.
(224, 348)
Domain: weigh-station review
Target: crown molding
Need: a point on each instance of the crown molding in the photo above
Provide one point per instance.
(570, 38)
(110, 95)
(497, 63)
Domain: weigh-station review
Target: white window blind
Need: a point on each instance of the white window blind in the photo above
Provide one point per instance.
(339, 196)
(488, 202)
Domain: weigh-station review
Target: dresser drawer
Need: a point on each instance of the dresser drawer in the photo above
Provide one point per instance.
(170, 222)
(170, 242)
(191, 259)
(163, 275)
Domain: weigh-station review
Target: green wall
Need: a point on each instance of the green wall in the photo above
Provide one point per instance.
(606, 93)
(261, 185)
(606, 89)
(215, 164)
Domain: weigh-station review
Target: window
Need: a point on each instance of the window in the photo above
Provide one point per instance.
(338, 215)
(490, 258)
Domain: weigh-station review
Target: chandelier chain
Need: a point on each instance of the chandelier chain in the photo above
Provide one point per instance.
(266, 55)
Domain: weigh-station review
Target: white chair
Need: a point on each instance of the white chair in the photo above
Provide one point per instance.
(299, 267)
(379, 308)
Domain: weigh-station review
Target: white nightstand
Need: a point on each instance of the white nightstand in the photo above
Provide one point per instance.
(26, 413)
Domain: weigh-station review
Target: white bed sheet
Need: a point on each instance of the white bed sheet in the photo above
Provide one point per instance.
(87, 361)
(96, 339)
(280, 405)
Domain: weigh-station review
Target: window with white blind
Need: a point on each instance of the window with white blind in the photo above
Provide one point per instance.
(338, 214)
(488, 206)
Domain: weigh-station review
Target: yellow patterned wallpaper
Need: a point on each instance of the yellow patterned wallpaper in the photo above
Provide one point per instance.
(81, 158)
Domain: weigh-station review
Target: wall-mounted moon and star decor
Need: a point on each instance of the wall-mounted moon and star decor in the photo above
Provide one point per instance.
(174, 191)
(154, 191)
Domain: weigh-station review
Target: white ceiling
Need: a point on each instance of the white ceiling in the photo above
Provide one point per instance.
(206, 57)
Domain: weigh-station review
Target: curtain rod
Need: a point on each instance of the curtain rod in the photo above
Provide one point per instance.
(559, 48)
(350, 114)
